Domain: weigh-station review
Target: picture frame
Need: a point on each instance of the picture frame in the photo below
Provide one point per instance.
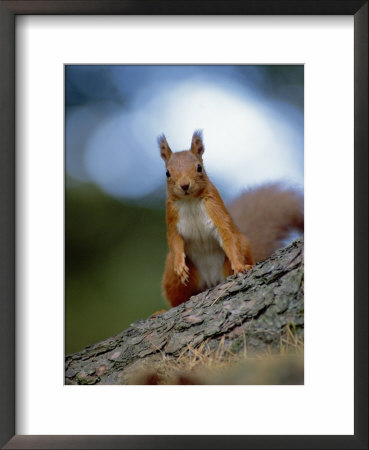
(8, 12)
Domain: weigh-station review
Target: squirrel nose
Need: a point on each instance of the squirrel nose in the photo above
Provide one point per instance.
(185, 187)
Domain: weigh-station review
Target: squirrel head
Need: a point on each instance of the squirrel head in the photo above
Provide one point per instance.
(185, 172)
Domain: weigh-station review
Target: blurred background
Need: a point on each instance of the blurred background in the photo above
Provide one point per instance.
(115, 232)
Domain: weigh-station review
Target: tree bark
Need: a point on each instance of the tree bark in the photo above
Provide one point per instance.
(253, 309)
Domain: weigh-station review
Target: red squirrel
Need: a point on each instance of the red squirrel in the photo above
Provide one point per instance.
(205, 242)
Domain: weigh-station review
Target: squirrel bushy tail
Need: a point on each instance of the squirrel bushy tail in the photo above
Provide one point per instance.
(267, 215)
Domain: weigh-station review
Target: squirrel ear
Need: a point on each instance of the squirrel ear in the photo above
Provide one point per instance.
(197, 146)
(165, 150)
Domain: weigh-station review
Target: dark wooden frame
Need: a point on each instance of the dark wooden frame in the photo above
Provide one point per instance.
(8, 11)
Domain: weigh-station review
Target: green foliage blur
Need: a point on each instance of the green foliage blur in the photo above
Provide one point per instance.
(114, 259)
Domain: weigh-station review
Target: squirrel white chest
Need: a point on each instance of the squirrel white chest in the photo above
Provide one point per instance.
(202, 241)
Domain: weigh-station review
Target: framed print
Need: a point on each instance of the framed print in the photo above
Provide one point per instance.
(60, 64)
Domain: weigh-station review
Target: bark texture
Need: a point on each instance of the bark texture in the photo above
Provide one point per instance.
(254, 309)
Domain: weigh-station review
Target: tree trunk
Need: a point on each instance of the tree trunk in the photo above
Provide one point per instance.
(255, 309)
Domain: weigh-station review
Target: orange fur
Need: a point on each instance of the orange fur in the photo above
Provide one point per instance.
(266, 215)
(235, 245)
(205, 244)
(175, 290)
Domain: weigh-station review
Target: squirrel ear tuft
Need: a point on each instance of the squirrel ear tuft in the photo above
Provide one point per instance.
(165, 150)
(197, 146)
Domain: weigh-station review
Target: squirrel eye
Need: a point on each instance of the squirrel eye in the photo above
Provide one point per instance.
(167, 173)
(199, 168)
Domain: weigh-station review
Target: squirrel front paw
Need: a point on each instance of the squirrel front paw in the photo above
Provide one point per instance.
(241, 268)
(181, 269)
